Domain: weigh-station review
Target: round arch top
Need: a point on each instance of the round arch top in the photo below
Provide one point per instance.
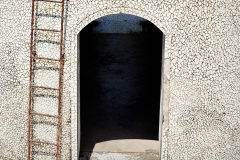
(81, 23)
(122, 23)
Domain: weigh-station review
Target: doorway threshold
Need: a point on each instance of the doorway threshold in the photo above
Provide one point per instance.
(118, 156)
(125, 146)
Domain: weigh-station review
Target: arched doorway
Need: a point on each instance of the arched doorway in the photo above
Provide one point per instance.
(125, 108)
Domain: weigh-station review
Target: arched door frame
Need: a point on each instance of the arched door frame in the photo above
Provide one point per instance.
(74, 93)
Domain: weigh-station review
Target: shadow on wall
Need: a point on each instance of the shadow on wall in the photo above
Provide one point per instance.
(120, 84)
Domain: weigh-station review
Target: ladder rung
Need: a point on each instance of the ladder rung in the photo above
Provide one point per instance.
(50, 59)
(49, 1)
(36, 141)
(45, 87)
(41, 114)
(50, 30)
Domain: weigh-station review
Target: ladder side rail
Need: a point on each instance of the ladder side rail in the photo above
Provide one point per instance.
(30, 81)
(60, 82)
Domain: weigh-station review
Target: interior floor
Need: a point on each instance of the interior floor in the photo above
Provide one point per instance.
(119, 89)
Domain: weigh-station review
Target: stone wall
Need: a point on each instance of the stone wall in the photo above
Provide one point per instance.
(201, 74)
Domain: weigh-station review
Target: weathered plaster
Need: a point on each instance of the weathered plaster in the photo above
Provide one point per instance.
(201, 45)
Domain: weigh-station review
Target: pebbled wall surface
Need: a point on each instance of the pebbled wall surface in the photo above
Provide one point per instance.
(201, 102)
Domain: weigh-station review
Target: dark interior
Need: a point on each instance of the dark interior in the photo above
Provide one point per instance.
(120, 78)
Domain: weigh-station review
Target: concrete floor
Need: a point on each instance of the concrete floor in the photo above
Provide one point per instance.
(118, 156)
(127, 146)
(120, 92)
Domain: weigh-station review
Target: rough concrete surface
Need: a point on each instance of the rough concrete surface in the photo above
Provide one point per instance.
(201, 42)
(119, 156)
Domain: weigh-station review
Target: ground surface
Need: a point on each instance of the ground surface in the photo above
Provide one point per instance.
(119, 156)
(120, 89)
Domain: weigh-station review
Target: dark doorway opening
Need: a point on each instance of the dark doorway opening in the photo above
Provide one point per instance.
(120, 78)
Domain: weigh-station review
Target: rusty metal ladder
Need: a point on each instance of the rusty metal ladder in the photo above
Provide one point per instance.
(33, 57)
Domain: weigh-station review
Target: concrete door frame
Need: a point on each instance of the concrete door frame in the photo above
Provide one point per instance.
(75, 78)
